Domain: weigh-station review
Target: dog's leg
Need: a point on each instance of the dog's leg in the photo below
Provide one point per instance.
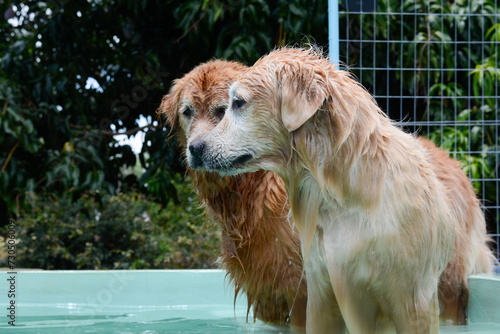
(322, 316)
(435, 314)
(323, 313)
(357, 306)
(453, 296)
(410, 318)
(298, 316)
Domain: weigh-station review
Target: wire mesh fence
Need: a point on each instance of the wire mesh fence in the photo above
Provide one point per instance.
(432, 65)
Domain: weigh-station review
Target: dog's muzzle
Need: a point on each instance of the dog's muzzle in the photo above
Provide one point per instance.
(242, 159)
(200, 159)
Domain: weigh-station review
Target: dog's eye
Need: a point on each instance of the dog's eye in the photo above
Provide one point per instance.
(220, 112)
(237, 103)
(187, 112)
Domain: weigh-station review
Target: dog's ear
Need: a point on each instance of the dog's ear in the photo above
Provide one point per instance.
(302, 93)
(168, 109)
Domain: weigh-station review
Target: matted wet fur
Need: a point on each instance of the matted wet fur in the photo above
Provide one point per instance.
(260, 249)
(372, 206)
(471, 254)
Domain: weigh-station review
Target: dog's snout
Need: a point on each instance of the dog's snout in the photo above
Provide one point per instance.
(197, 149)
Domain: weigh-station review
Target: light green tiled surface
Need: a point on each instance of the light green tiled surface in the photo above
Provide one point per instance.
(484, 300)
(169, 301)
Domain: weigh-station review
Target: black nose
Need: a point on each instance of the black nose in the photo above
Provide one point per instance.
(197, 149)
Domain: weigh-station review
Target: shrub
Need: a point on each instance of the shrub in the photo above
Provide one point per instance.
(125, 231)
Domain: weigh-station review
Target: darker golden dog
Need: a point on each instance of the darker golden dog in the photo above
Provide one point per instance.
(260, 249)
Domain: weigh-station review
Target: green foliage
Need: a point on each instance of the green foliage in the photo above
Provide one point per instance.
(58, 137)
(126, 231)
(58, 130)
(429, 49)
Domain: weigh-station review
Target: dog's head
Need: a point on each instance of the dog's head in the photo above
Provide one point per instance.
(268, 104)
(197, 103)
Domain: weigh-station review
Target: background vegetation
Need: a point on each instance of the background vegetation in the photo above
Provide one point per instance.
(76, 74)
(119, 231)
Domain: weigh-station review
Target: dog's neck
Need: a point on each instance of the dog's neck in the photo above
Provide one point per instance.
(238, 200)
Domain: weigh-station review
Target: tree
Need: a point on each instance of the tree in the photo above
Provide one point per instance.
(77, 73)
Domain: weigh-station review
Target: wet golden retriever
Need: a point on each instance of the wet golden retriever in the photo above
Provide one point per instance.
(373, 210)
(260, 249)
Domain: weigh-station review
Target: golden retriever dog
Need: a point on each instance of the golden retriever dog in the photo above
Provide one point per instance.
(377, 222)
(260, 249)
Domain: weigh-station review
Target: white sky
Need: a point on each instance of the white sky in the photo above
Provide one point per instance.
(135, 141)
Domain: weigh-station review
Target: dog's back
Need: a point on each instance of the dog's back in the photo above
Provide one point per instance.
(472, 254)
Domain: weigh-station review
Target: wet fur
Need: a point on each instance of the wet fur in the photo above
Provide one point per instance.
(260, 249)
(373, 205)
(471, 254)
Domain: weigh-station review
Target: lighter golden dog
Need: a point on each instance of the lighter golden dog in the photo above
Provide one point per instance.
(377, 221)
(260, 249)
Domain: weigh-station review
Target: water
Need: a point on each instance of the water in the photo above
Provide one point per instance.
(133, 323)
(123, 302)
(161, 321)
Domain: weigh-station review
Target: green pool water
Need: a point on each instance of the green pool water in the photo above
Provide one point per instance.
(165, 301)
